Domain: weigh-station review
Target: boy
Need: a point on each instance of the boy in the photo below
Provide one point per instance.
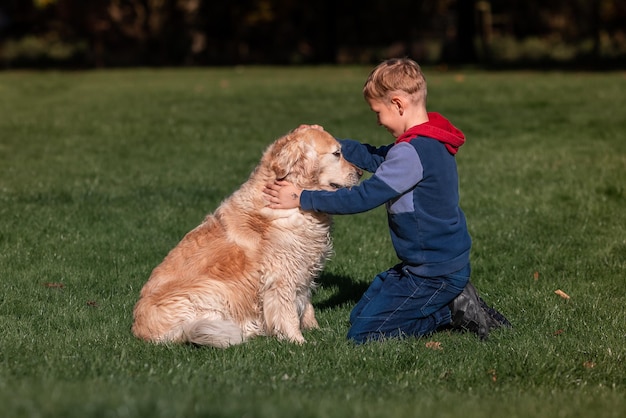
(416, 178)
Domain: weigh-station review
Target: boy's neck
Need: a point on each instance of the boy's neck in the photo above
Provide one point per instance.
(416, 116)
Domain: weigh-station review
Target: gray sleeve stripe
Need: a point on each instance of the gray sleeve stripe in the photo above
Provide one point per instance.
(402, 169)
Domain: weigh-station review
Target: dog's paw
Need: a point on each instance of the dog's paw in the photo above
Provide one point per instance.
(297, 339)
(310, 324)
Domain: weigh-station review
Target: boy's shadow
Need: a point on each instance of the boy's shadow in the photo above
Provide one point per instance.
(349, 291)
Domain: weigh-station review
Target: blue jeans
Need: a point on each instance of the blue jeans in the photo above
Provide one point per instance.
(399, 303)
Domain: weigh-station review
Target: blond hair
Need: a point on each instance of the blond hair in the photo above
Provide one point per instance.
(396, 75)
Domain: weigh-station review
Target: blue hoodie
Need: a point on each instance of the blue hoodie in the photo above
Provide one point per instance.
(417, 181)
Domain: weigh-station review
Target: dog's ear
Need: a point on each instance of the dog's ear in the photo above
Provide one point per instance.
(283, 156)
(292, 154)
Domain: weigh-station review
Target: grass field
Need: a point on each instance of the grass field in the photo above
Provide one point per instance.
(102, 173)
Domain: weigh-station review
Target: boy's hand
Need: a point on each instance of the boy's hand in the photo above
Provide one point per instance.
(302, 127)
(282, 195)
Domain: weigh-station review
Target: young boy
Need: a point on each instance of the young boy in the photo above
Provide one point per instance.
(416, 178)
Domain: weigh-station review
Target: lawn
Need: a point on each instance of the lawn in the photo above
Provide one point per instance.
(102, 173)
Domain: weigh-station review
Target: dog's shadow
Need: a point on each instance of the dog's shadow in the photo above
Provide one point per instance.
(348, 291)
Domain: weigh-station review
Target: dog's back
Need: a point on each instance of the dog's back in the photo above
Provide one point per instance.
(206, 277)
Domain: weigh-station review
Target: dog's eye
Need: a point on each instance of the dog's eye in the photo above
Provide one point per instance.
(337, 154)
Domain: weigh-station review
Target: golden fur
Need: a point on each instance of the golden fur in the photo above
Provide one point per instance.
(248, 270)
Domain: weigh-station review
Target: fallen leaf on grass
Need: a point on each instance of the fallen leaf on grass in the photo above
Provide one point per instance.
(434, 345)
(561, 293)
(536, 275)
(558, 332)
(54, 285)
(589, 365)
(446, 374)
(492, 373)
(92, 303)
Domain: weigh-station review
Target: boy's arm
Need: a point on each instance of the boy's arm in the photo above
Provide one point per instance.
(364, 156)
(400, 172)
(369, 194)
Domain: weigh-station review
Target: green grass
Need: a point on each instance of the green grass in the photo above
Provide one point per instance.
(102, 173)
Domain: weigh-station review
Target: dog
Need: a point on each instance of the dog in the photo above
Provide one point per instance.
(248, 270)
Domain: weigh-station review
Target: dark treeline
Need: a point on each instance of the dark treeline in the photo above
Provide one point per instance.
(105, 33)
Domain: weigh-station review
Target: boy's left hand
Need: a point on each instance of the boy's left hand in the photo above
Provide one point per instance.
(282, 195)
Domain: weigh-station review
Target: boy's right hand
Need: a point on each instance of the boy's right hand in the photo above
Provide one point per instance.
(282, 195)
(303, 126)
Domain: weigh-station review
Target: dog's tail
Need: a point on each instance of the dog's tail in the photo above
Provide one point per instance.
(218, 333)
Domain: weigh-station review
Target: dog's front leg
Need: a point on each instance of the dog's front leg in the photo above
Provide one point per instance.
(308, 320)
(280, 314)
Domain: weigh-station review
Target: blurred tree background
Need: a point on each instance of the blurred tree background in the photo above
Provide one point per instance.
(496, 33)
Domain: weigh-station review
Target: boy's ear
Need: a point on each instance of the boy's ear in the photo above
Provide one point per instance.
(398, 104)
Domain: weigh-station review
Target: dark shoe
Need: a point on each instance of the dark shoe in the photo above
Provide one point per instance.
(494, 318)
(468, 314)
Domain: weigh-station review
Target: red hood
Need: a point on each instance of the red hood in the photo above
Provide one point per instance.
(438, 128)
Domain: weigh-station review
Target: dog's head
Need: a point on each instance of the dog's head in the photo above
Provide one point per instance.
(311, 159)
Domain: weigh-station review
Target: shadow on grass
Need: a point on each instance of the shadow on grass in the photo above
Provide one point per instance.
(348, 291)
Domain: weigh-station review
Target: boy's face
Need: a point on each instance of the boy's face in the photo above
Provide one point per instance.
(388, 115)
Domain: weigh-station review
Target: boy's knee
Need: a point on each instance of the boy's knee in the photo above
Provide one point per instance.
(354, 334)
(363, 331)
(358, 333)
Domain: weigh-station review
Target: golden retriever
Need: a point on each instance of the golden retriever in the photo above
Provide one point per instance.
(248, 270)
